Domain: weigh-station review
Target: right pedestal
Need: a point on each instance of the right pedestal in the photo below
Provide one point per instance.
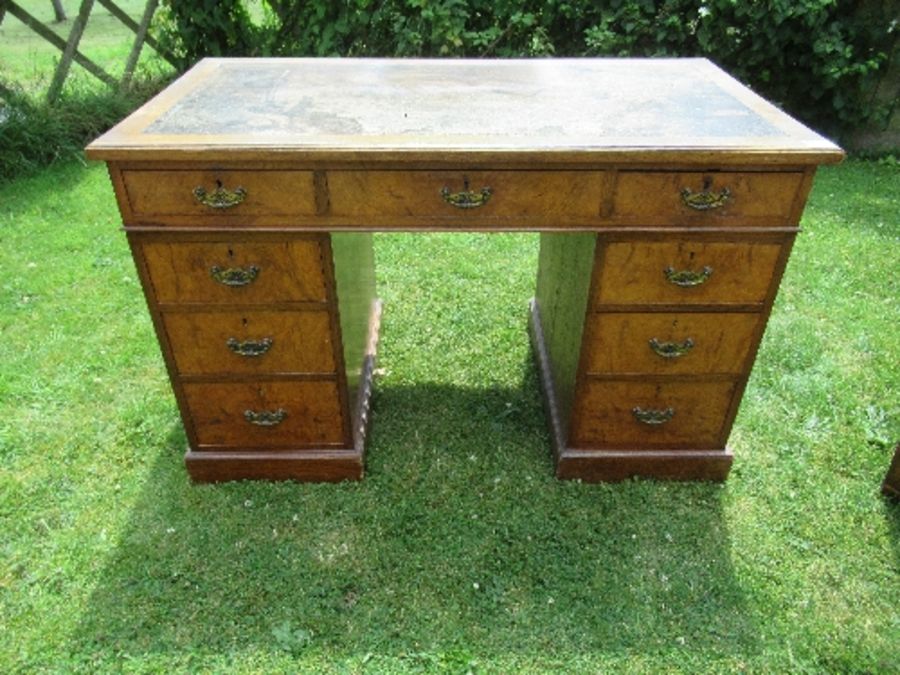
(644, 345)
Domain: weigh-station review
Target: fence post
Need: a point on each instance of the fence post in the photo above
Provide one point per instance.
(54, 39)
(5, 92)
(59, 11)
(141, 35)
(117, 12)
(62, 70)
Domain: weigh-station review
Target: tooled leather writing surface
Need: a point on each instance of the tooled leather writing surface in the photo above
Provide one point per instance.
(374, 107)
(589, 100)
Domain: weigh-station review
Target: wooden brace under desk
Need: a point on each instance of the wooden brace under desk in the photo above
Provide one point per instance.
(667, 196)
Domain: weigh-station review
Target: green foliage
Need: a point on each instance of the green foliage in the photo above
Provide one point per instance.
(820, 59)
(223, 27)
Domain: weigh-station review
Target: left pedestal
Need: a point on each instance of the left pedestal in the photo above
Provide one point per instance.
(269, 339)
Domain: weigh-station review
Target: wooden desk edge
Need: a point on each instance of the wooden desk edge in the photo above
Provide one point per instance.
(450, 157)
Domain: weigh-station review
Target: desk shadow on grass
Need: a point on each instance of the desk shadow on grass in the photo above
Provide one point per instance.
(458, 541)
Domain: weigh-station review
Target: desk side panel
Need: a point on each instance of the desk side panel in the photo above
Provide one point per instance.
(354, 277)
(565, 266)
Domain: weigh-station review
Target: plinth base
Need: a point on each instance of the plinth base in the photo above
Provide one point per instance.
(302, 465)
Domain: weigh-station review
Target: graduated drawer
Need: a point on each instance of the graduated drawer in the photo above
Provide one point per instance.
(669, 343)
(250, 341)
(265, 415)
(685, 272)
(237, 272)
(209, 197)
(681, 198)
(551, 198)
(607, 413)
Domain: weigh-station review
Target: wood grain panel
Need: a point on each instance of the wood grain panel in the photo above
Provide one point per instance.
(619, 342)
(633, 272)
(300, 342)
(655, 198)
(603, 416)
(288, 271)
(314, 416)
(171, 193)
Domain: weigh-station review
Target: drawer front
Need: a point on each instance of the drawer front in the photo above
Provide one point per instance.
(217, 195)
(669, 343)
(527, 197)
(297, 414)
(239, 272)
(606, 414)
(685, 272)
(676, 198)
(206, 343)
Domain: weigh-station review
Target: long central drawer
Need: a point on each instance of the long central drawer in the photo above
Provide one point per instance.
(466, 197)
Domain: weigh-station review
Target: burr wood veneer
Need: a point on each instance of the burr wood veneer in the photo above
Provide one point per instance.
(667, 197)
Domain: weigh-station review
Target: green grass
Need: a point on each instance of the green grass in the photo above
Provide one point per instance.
(459, 550)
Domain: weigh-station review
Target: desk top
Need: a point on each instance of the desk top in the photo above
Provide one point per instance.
(561, 110)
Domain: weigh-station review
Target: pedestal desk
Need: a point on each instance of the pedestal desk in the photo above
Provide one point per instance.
(667, 196)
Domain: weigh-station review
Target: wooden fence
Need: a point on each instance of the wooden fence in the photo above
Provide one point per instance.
(69, 47)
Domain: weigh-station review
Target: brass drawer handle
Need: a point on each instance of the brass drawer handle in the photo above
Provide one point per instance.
(671, 350)
(249, 347)
(467, 199)
(221, 197)
(265, 418)
(651, 416)
(234, 276)
(706, 199)
(687, 278)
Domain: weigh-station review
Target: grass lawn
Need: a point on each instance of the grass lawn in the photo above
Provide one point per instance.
(459, 551)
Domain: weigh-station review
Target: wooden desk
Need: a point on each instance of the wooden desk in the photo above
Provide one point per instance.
(667, 196)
